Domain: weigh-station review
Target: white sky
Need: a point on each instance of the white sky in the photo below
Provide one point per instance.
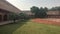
(26, 4)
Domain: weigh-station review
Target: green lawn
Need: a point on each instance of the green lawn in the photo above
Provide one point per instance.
(28, 27)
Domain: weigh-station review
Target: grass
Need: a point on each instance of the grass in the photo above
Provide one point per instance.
(28, 27)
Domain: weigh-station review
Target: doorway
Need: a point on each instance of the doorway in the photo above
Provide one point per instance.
(5, 17)
(0, 18)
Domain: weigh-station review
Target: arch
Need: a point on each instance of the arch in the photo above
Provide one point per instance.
(5, 18)
(0, 18)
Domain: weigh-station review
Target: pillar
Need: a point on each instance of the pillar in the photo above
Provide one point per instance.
(0, 18)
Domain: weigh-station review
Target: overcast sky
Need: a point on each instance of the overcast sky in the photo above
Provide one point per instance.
(26, 4)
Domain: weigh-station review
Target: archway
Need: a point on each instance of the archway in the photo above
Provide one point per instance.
(5, 17)
(0, 18)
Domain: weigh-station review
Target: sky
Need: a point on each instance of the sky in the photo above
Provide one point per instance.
(27, 4)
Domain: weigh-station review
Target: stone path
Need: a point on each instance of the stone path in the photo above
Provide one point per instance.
(6, 22)
(47, 21)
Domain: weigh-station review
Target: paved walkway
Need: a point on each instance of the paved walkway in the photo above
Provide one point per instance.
(6, 22)
(47, 21)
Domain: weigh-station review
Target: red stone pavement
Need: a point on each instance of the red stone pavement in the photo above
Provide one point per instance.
(47, 21)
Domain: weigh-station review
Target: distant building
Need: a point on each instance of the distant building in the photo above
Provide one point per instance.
(27, 12)
(53, 14)
(50, 14)
(5, 9)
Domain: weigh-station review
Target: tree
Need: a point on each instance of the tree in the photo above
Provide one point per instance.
(34, 10)
(46, 9)
(39, 13)
(42, 12)
(13, 17)
(58, 9)
(23, 16)
(55, 8)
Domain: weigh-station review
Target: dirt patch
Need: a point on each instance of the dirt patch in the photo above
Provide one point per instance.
(47, 21)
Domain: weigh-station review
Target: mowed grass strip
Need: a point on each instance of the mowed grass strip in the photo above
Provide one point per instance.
(29, 28)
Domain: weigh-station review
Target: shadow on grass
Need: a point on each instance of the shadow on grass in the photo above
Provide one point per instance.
(10, 28)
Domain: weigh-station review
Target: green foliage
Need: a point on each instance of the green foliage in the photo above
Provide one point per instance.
(46, 9)
(55, 8)
(13, 16)
(40, 13)
(34, 9)
(22, 16)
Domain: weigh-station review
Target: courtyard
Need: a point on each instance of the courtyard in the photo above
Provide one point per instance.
(31, 26)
